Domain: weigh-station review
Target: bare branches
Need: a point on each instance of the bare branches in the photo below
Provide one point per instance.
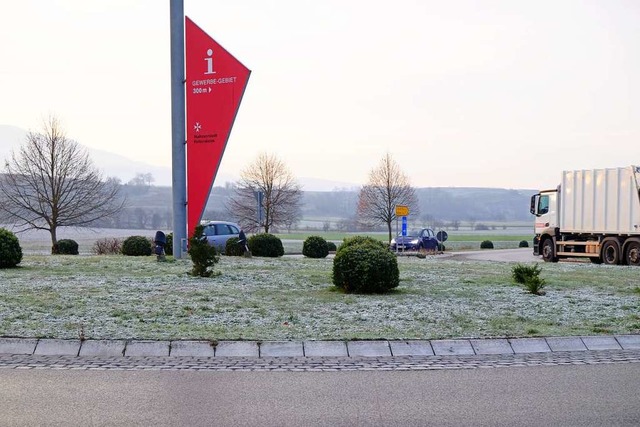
(281, 195)
(387, 187)
(51, 182)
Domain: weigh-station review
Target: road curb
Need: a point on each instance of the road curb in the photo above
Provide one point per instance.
(314, 348)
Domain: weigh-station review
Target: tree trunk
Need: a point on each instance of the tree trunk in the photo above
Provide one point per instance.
(389, 228)
(54, 239)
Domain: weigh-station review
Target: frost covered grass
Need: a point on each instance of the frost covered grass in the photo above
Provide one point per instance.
(293, 298)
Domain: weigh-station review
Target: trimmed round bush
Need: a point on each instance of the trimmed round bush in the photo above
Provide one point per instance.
(365, 268)
(10, 250)
(265, 245)
(523, 244)
(66, 247)
(315, 247)
(233, 248)
(486, 244)
(136, 246)
(331, 246)
(360, 240)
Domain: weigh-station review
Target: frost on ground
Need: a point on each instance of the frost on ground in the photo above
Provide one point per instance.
(293, 298)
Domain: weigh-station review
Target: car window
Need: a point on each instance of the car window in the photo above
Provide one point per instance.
(234, 229)
(430, 233)
(223, 229)
(209, 230)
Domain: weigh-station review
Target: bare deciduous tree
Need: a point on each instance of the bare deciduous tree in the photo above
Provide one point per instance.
(51, 182)
(387, 187)
(281, 195)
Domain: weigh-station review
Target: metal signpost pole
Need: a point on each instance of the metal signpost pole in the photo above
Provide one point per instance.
(397, 238)
(178, 143)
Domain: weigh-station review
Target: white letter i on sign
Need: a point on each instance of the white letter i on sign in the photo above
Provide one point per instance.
(209, 62)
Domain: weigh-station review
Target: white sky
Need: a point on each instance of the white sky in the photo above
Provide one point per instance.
(461, 93)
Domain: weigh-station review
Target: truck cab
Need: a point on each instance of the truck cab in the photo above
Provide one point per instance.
(544, 206)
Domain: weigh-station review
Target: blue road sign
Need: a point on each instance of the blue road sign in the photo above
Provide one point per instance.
(404, 225)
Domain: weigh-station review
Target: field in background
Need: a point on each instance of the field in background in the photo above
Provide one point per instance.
(38, 241)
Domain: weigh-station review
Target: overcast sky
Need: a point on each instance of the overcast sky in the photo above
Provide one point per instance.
(461, 93)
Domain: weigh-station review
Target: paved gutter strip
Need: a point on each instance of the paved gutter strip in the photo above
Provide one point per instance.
(312, 364)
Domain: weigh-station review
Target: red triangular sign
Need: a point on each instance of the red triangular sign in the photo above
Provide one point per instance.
(215, 83)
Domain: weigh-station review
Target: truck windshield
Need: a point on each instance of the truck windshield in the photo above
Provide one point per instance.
(543, 206)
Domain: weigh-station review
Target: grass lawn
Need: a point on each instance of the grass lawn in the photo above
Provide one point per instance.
(293, 298)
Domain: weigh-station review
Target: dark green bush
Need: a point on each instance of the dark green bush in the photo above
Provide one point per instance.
(331, 246)
(265, 245)
(523, 244)
(233, 248)
(441, 247)
(136, 246)
(168, 247)
(486, 244)
(65, 247)
(10, 250)
(202, 254)
(360, 240)
(365, 268)
(315, 247)
(529, 276)
(534, 285)
(520, 272)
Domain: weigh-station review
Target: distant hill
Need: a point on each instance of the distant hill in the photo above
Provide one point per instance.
(110, 164)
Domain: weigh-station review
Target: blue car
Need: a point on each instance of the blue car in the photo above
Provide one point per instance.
(218, 232)
(415, 240)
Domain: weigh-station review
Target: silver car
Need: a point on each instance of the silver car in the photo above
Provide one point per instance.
(218, 232)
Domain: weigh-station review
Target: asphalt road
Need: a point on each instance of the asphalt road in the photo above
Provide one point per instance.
(524, 255)
(565, 395)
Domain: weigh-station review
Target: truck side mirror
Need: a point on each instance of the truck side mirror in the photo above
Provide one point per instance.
(534, 204)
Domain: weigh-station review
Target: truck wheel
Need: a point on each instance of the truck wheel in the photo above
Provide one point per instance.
(547, 251)
(611, 252)
(633, 253)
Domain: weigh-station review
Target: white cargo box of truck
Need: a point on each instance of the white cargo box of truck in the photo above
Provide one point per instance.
(592, 214)
(600, 201)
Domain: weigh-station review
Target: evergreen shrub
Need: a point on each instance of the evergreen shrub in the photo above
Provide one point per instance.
(233, 248)
(265, 245)
(360, 240)
(486, 244)
(203, 255)
(315, 247)
(365, 268)
(529, 276)
(331, 246)
(65, 247)
(168, 247)
(136, 246)
(10, 250)
(523, 244)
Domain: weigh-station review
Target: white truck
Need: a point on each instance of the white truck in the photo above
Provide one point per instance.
(592, 214)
